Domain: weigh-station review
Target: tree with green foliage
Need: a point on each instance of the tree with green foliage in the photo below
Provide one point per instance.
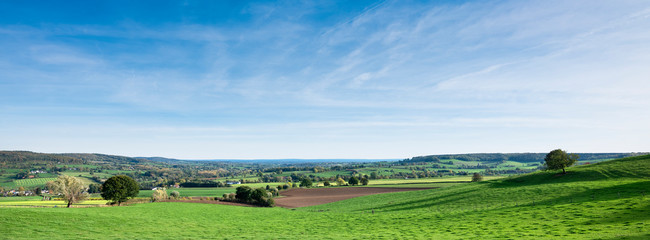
(373, 175)
(364, 181)
(559, 159)
(70, 188)
(94, 188)
(340, 182)
(243, 193)
(353, 181)
(120, 188)
(259, 195)
(306, 182)
(476, 177)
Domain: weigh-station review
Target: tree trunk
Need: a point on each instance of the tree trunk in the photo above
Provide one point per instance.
(563, 171)
(69, 203)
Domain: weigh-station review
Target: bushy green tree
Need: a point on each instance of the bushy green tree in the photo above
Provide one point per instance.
(243, 193)
(94, 188)
(120, 188)
(70, 188)
(306, 182)
(364, 181)
(259, 195)
(353, 181)
(559, 159)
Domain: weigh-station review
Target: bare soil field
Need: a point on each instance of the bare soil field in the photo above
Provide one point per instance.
(304, 197)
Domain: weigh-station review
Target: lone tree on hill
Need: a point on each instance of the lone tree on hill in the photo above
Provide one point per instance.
(559, 159)
(71, 188)
(120, 188)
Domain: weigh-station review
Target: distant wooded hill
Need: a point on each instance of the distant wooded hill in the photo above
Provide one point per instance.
(26, 158)
(515, 157)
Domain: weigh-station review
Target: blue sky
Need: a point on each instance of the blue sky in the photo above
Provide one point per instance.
(325, 79)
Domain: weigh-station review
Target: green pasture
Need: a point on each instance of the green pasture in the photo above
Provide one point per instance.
(53, 203)
(26, 183)
(608, 200)
(193, 192)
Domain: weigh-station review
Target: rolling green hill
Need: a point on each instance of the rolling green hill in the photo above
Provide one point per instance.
(597, 201)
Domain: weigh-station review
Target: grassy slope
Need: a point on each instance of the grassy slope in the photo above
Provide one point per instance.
(583, 204)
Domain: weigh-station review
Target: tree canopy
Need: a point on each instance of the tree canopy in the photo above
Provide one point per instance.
(120, 188)
(353, 181)
(243, 193)
(559, 159)
(306, 182)
(71, 188)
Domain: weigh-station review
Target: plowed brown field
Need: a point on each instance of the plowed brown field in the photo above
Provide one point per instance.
(303, 197)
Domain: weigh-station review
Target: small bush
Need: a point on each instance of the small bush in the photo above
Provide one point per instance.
(159, 195)
(175, 195)
(477, 177)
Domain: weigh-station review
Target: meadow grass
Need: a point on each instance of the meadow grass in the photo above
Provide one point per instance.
(59, 203)
(599, 201)
(192, 192)
(27, 183)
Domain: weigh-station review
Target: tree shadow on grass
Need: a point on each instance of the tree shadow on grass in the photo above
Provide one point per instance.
(424, 202)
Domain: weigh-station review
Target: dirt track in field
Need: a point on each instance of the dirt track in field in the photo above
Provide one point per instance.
(304, 197)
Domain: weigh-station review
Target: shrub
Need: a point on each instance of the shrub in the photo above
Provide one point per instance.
(306, 182)
(477, 177)
(364, 181)
(269, 202)
(340, 181)
(258, 195)
(326, 183)
(243, 193)
(159, 195)
(175, 195)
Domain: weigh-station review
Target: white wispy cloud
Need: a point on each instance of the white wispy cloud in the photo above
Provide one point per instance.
(408, 74)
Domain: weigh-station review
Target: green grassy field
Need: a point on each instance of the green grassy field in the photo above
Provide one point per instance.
(598, 201)
(27, 183)
(191, 192)
(58, 203)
